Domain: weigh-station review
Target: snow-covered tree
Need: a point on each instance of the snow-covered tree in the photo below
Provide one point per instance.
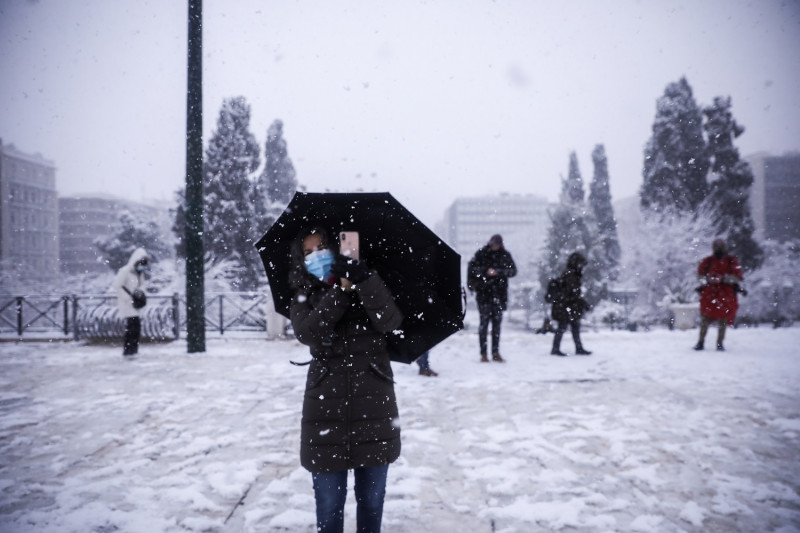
(676, 160)
(663, 258)
(277, 183)
(17, 278)
(774, 288)
(229, 215)
(572, 190)
(609, 252)
(731, 179)
(279, 177)
(572, 229)
(178, 214)
(231, 158)
(130, 233)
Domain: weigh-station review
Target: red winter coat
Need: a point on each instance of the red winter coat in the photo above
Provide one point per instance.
(718, 298)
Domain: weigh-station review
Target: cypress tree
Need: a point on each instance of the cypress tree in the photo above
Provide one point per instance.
(731, 180)
(279, 175)
(676, 160)
(572, 229)
(277, 183)
(609, 252)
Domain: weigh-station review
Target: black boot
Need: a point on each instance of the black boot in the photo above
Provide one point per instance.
(557, 344)
(698, 346)
(579, 349)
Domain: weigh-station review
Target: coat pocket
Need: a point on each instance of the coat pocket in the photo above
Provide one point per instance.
(380, 373)
(315, 376)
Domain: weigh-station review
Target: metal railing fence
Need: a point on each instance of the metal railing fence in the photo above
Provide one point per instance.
(97, 317)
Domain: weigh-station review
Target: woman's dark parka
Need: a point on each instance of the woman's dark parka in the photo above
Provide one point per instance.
(350, 416)
(571, 306)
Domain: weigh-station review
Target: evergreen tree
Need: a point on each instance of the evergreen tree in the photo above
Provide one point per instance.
(232, 156)
(278, 177)
(571, 230)
(609, 251)
(179, 222)
(277, 183)
(572, 192)
(676, 160)
(132, 233)
(731, 180)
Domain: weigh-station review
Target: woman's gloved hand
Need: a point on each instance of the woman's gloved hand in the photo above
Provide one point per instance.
(352, 270)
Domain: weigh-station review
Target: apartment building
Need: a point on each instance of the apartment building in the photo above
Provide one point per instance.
(775, 195)
(28, 214)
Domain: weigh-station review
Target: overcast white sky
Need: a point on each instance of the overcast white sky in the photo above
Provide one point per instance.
(429, 100)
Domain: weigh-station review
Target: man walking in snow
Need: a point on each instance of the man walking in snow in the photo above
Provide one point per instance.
(487, 276)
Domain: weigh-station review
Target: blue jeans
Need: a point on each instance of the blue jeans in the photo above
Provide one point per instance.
(490, 311)
(330, 492)
(423, 362)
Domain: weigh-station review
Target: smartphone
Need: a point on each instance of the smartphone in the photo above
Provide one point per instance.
(348, 244)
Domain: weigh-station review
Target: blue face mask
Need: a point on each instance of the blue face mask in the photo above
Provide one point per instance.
(319, 263)
(141, 268)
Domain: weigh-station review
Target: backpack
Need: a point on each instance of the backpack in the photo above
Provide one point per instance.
(473, 280)
(555, 291)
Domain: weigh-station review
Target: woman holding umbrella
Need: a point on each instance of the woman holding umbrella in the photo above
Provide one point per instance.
(570, 307)
(342, 311)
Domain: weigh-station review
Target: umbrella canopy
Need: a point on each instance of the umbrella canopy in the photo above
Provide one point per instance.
(422, 272)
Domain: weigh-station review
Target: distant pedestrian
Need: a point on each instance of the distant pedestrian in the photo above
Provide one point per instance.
(425, 367)
(569, 306)
(487, 276)
(130, 286)
(720, 275)
(547, 327)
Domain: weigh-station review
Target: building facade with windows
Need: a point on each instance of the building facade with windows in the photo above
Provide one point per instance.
(522, 220)
(775, 195)
(84, 219)
(28, 214)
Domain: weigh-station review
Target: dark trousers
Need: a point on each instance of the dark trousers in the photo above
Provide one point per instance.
(133, 329)
(575, 326)
(705, 322)
(490, 311)
(330, 492)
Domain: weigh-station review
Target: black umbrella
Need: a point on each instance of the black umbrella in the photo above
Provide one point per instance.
(423, 273)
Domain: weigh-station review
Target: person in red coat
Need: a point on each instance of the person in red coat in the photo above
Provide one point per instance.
(720, 275)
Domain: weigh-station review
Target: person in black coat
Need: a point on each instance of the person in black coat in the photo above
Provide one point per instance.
(487, 276)
(343, 311)
(570, 306)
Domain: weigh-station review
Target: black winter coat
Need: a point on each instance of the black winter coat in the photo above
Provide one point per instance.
(491, 288)
(572, 306)
(350, 414)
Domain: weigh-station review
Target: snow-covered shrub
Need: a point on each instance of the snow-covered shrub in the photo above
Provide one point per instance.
(662, 260)
(774, 289)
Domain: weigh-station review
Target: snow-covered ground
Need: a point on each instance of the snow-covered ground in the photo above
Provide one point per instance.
(644, 435)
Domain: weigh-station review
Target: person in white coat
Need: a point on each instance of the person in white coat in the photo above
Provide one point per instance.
(130, 278)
